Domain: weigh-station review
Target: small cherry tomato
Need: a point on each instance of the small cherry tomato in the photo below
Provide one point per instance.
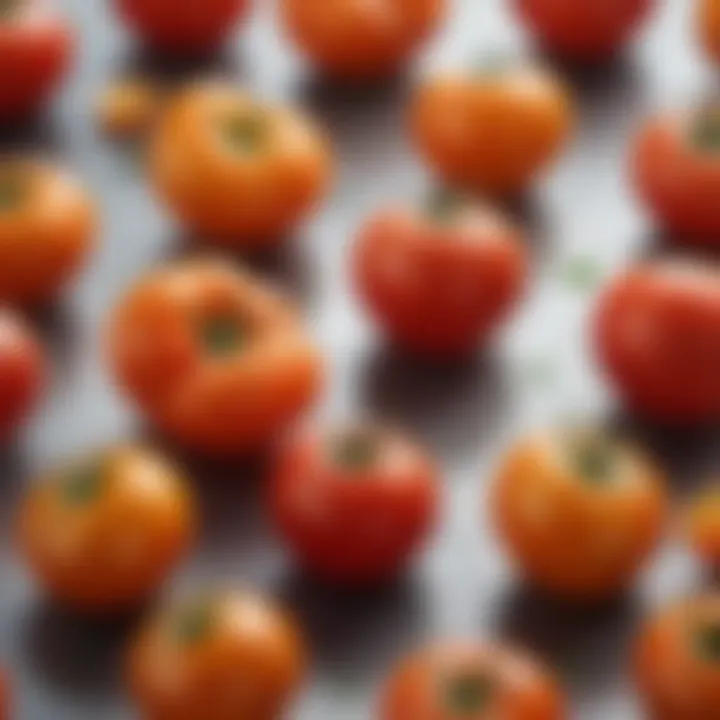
(463, 680)
(493, 129)
(36, 45)
(676, 170)
(103, 532)
(579, 511)
(129, 108)
(47, 223)
(440, 279)
(657, 332)
(354, 504)
(228, 657)
(587, 30)
(184, 26)
(702, 525)
(677, 661)
(237, 171)
(217, 359)
(361, 40)
(708, 24)
(22, 370)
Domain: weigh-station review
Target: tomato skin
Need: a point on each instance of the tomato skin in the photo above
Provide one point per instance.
(103, 532)
(175, 677)
(708, 26)
(182, 27)
(439, 287)
(588, 30)
(233, 196)
(577, 536)
(521, 689)
(5, 696)
(361, 40)
(670, 373)
(223, 404)
(353, 525)
(675, 680)
(702, 525)
(491, 131)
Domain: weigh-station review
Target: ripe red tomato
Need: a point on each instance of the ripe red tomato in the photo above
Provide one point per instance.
(440, 280)
(182, 26)
(586, 30)
(453, 681)
(657, 333)
(353, 504)
(35, 49)
(21, 371)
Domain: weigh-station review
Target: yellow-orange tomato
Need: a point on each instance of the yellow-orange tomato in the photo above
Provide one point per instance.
(237, 171)
(47, 222)
(129, 108)
(230, 657)
(677, 661)
(702, 525)
(103, 532)
(216, 358)
(708, 22)
(357, 39)
(579, 511)
(493, 129)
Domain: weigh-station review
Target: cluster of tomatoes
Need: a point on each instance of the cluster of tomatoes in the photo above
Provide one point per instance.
(220, 362)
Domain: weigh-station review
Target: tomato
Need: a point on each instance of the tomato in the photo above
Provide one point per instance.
(102, 532)
(442, 278)
(708, 26)
(36, 46)
(235, 170)
(22, 371)
(47, 222)
(579, 511)
(5, 697)
(361, 40)
(492, 129)
(129, 108)
(182, 26)
(224, 657)
(587, 30)
(702, 525)
(216, 358)
(353, 504)
(676, 170)
(463, 680)
(677, 661)
(657, 334)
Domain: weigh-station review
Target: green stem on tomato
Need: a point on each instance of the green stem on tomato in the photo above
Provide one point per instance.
(707, 641)
(705, 130)
(468, 694)
(245, 132)
(223, 335)
(355, 451)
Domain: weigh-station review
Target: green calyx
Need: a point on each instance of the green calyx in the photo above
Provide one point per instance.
(194, 623)
(594, 458)
(223, 335)
(707, 642)
(705, 131)
(468, 694)
(9, 7)
(443, 205)
(84, 483)
(246, 133)
(13, 189)
(355, 451)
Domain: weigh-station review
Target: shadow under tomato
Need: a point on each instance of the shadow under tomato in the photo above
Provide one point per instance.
(34, 134)
(666, 244)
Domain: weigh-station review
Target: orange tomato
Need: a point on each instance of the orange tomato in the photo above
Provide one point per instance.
(708, 26)
(103, 532)
(454, 680)
(579, 511)
(235, 170)
(702, 525)
(229, 657)
(216, 358)
(677, 661)
(36, 45)
(492, 129)
(46, 226)
(129, 108)
(361, 40)
(441, 279)
(676, 171)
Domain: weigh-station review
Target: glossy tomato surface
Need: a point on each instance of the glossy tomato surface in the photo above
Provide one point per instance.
(353, 504)
(701, 525)
(708, 26)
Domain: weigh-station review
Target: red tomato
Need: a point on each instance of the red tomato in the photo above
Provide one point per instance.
(182, 26)
(584, 29)
(658, 336)
(440, 280)
(4, 697)
(354, 504)
(35, 49)
(21, 371)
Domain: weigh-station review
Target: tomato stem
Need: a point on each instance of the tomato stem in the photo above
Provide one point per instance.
(708, 642)
(12, 190)
(442, 205)
(245, 132)
(8, 7)
(194, 623)
(595, 459)
(223, 335)
(356, 451)
(84, 483)
(468, 693)
(706, 130)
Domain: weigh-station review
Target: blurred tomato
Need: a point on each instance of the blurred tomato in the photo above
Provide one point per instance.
(442, 278)
(708, 25)
(585, 30)
(493, 128)
(129, 108)
(657, 333)
(463, 680)
(677, 661)
(702, 525)
(579, 511)
(182, 26)
(354, 504)
(361, 39)
(36, 45)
